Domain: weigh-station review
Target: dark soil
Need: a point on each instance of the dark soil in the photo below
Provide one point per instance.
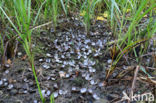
(73, 66)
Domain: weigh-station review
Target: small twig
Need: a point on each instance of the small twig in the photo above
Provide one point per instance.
(123, 54)
(15, 51)
(151, 68)
(124, 72)
(149, 80)
(134, 81)
(148, 54)
(39, 26)
(120, 77)
(4, 58)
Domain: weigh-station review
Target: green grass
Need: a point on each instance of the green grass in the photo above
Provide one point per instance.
(128, 40)
(22, 10)
(88, 8)
(55, 12)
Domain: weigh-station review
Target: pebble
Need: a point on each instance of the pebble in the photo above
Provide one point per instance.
(7, 65)
(96, 97)
(45, 66)
(90, 91)
(101, 84)
(55, 94)
(58, 61)
(48, 55)
(93, 44)
(92, 82)
(62, 56)
(88, 77)
(33, 45)
(48, 78)
(7, 71)
(4, 79)
(40, 60)
(73, 88)
(52, 30)
(48, 93)
(43, 92)
(125, 67)
(25, 91)
(67, 75)
(19, 53)
(92, 70)
(60, 92)
(53, 78)
(35, 101)
(65, 63)
(109, 61)
(6, 83)
(25, 80)
(10, 86)
(48, 60)
(1, 82)
(62, 74)
(70, 70)
(83, 90)
(84, 75)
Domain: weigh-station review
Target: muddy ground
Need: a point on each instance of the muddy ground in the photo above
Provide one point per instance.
(73, 66)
